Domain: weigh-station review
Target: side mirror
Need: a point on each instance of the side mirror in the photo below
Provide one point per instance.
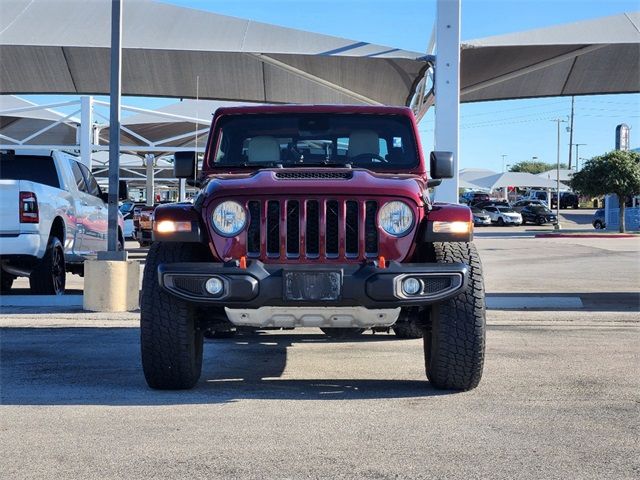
(441, 165)
(123, 190)
(185, 164)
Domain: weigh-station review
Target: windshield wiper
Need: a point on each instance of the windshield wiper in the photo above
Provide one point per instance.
(320, 164)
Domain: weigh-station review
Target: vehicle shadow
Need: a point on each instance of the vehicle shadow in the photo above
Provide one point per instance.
(591, 301)
(101, 366)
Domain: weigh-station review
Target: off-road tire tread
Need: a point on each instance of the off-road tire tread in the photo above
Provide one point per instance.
(171, 344)
(454, 345)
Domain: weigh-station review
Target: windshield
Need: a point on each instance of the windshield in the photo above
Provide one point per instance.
(539, 209)
(377, 142)
(505, 210)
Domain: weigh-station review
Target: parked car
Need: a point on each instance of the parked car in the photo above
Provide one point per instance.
(520, 204)
(126, 209)
(567, 200)
(473, 198)
(538, 214)
(598, 219)
(492, 203)
(143, 223)
(480, 217)
(503, 215)
(285, 234)
(53, 216)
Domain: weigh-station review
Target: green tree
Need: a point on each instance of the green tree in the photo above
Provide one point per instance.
(531, 166)
(616, 172)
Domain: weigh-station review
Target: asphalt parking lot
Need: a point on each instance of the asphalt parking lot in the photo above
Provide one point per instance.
(560, 396)
(559, 399)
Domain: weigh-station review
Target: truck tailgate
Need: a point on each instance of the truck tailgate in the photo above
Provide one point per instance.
(9, 215)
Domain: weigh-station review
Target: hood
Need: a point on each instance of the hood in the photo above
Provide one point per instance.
(323, 181)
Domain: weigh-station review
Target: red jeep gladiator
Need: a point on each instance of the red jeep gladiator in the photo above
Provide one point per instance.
(314, 216)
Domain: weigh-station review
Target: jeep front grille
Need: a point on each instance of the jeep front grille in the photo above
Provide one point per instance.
(310, 228)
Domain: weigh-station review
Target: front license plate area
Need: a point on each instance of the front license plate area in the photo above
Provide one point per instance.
(309, 286)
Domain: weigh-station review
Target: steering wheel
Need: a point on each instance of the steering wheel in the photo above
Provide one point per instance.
(368, 156)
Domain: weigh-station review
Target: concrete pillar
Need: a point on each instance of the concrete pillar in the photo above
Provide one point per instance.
(150, 193)
(111, 286)
(447, 91)
(86, 130)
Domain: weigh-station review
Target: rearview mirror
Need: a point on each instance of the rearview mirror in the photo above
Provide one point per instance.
(441, 165)
(184, 165)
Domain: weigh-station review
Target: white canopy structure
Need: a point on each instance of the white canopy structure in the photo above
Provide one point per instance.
(572, 59)
(515, 179)
(565, 174)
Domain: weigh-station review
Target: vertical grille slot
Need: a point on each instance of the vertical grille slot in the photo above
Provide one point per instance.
(293, 228)
(332, 233)
(253, 232)
(273, 228)
(351, 228)
(371, 231)
(313, 229)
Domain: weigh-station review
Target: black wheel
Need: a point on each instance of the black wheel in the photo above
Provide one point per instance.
(500, 222)
(49, 276)
(454, 340)
(171, 342)
(597, 225)
(540, 221)
(342, 333)
(408, 329)
(6, 281)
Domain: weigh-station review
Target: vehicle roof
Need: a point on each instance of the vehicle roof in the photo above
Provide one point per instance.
(357, 109)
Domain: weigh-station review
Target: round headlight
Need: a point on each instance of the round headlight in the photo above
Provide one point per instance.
(229, 218)
(396, 218)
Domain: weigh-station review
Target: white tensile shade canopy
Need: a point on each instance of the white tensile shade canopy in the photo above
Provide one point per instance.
(582, 58)
(515, 179)
(171, 51)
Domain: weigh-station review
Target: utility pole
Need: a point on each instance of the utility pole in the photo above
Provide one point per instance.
(571, 131)
(558, 226)
(577, 145)
(503, 164)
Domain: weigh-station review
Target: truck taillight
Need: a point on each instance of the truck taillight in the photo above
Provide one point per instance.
(29, 208)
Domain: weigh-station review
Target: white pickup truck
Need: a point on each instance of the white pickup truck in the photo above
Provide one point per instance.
(53, 216)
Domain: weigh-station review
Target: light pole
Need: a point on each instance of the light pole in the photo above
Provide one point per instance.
(503, 165)
(577, 145)
(557, 225)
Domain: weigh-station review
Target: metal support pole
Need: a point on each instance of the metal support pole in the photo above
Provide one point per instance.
(86, 130)
(571, 132)
(447, 91)
(557, 225)
(150, 193)
(182, 190)
(114, 131)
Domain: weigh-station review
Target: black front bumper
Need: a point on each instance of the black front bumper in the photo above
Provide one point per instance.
(262, 284)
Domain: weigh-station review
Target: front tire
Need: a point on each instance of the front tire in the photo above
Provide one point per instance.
(454, 342)
(170, 338)
(500, 222)
(49, 276)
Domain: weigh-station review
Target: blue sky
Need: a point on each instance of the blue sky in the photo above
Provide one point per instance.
(519, 129)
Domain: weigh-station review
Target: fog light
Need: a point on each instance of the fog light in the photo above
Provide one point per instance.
(411, 286)
(214, 286)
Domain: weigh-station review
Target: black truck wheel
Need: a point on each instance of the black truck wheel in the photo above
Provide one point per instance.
(170, 338)
(454, 340)
(342, 333)
(49, 275)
